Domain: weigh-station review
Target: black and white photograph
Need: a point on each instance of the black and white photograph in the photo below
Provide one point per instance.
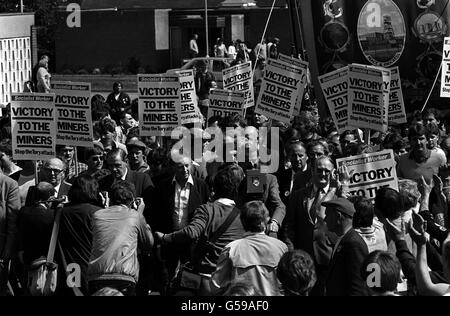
(224, 155)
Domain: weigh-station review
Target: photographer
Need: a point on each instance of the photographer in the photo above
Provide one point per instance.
(118, 232)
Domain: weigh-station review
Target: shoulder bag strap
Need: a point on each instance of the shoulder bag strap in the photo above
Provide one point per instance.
(54, 238)
(226, 224)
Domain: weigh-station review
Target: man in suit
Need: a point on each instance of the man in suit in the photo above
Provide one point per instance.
(296, 155)
(52, 171)
(305, 227)
(344, 276)
(178, 197)
(116, 160)
(10, 205)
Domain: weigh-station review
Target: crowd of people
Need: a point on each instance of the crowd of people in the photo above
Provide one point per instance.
(133, 220)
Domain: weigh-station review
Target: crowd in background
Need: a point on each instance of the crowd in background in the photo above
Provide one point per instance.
(136, 221)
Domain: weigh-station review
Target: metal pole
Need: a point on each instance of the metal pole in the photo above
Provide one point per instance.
(21, 6)
(292, 16)
(207, 28)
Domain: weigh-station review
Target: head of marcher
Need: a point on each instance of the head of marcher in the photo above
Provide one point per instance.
(388, 204)
(431, 116)
(227, 182)
(52, 171)
(116, 160)
(433, 135)
(254, 217)
(158, 161)
(322, 172)
(296, 154)
(117, 87)
(84, 190)
(419, 143)
(136, 153)
(94, 158)
(297, 273)
(45, 192)
(339, 215)
(314, 150)
(389, 273)
(65, 153)
(123, 193)
(181, 168)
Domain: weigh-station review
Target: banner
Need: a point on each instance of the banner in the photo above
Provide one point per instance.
(371, 172)
(445, 78)
(368, 97)
(301, 64)
(397, 111)
(387, 33)
(73, 113)
(225, 103)
(240, 78)
(190, 112)
(281, 85)
(335, 89)
(159, 104)
(33, 126)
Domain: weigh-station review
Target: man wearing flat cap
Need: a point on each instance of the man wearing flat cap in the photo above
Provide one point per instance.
(344, 274)
(136, 156)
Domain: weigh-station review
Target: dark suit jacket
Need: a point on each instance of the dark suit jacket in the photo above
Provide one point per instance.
(31, 195)
(302, 233)
(302, 179)
(9, 210)
(344, 277)
(160, 217)
(142, 182)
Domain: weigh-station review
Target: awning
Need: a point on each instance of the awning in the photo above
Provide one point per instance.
(175, 4)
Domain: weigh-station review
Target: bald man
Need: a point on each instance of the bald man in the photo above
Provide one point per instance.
(52, 171)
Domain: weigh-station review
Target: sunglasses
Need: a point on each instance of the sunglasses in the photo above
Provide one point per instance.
(55, 171)
(97, 158)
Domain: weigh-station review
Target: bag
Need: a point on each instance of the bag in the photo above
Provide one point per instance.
(43, 272)
(187, 276)
(42, 277)
(188, 279)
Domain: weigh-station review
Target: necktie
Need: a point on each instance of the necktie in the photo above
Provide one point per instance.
(314, 206)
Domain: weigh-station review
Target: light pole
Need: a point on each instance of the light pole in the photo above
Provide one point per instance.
(207, 28)
(21, 6)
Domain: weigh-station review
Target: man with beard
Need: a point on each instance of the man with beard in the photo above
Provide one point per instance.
(421, 161)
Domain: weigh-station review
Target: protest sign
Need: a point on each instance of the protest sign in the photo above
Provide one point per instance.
(159, 104)
(301, 64)
(190, 113)
(240, 78)
(445, 78)
(73, 113)
(225, 103)
(33, 126)
(335, 89)
(281, 85)
(397, 111)
(368, 97)
(371, 172)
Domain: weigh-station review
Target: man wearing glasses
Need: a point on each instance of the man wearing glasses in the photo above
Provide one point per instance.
(94, 158)
(52, 171)
(305, 226)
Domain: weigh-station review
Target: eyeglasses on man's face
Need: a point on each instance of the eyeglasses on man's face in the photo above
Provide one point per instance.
(53, 170)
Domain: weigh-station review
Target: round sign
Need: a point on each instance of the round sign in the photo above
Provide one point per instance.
(381, 32)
